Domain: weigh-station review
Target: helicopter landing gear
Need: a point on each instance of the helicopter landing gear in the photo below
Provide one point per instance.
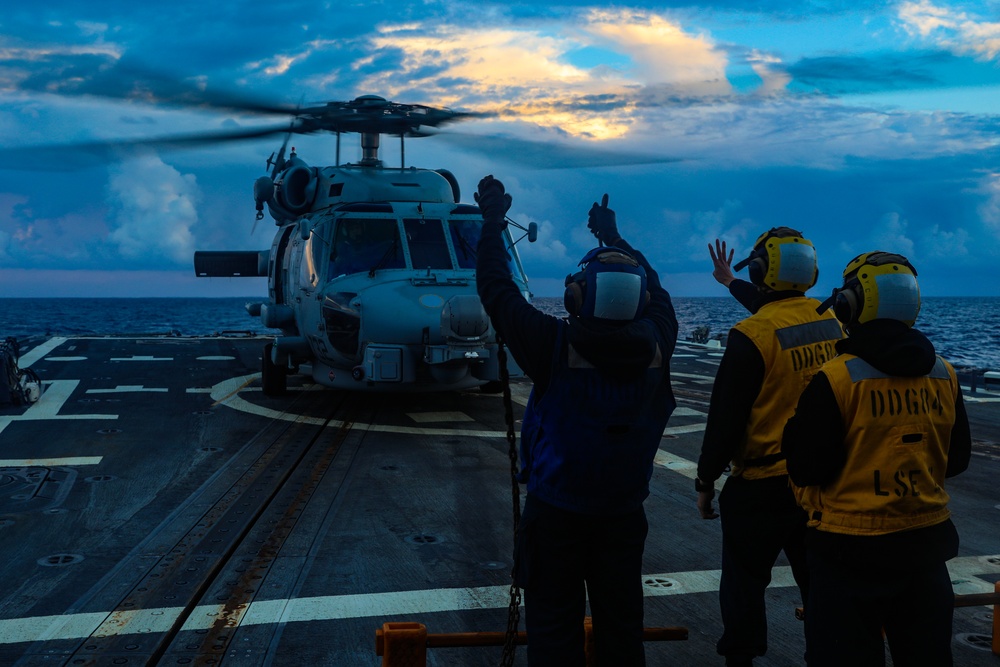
(273, 378)
(491, 387)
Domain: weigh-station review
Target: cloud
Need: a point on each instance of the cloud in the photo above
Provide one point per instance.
(938, 242)
(989, 210)
(527, 72)
(156, 209)
(774, 79)
(951, 28)
(890, 234)
(661, 50)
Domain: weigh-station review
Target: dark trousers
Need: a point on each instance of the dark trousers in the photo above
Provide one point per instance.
(849, 606)
(760, 518)
(564, 556)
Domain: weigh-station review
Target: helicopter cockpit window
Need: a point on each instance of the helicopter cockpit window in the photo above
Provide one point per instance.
(363, 244)
(428, 249)
(465, 238)
(465, 235)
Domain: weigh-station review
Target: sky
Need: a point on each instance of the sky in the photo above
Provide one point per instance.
(865, 125)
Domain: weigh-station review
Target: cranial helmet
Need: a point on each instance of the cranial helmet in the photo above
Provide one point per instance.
(610, 286)
(877, 285)
(782, 260)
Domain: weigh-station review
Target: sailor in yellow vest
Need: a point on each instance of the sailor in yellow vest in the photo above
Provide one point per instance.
(873, 438)
(769, 359)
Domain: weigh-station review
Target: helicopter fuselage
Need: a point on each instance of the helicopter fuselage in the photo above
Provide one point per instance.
(371, 280)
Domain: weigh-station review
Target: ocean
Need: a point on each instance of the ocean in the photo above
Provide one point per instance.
(965, 330)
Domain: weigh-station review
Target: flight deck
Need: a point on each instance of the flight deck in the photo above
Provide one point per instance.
(157, 508)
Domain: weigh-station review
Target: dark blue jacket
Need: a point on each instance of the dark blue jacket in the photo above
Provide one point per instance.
(607, 408)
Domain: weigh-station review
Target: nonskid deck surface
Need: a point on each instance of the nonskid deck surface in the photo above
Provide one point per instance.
(157, 508)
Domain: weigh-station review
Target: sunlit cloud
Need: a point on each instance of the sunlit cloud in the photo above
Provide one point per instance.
(527, 73)
(951, 28)
(662, 51)
(773, 79)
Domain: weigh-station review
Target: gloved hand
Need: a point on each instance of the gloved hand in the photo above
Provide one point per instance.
(493, 201)
(722, 271)
(602, 224)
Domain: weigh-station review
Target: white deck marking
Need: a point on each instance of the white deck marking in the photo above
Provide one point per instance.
(53, 397)
(980, 399)
(65, 359)
(392, 604)
(228, 391)
(686, 412)
(693, 376)
(49, 463)
(126, 388)
(427, 417)
(39, 351)
(141, 358)
(687, 428)
(670, 461)
(215, 358)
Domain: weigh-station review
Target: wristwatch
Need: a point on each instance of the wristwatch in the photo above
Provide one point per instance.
(703, 487)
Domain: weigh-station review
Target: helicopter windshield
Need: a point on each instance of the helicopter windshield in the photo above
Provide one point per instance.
(465, 237)
(364, 244)
(428, 249)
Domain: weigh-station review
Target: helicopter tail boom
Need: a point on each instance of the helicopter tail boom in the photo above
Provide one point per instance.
(231, 263)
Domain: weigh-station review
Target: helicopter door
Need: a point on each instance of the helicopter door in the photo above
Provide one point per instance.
(428, 248)
(279, 266)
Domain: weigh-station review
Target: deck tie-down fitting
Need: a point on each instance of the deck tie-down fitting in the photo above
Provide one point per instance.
(405, 644)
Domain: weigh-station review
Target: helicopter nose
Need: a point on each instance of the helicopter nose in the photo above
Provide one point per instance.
(464, 319)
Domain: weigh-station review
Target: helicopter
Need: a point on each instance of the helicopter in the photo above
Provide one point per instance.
(371, 272)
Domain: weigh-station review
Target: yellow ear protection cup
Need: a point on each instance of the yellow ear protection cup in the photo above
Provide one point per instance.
(782, 260)
(877, 285)
(611, 286)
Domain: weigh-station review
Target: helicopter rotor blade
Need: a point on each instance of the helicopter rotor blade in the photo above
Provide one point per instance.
(129, 82)
(544, 155)
(68, 157)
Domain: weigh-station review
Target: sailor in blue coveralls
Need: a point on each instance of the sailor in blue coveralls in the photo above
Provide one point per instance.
(592, 426)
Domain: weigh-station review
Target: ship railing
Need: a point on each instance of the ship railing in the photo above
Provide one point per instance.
(405, 644)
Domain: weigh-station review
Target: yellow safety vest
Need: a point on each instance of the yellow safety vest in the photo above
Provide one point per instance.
(898, 434)
(794, 342)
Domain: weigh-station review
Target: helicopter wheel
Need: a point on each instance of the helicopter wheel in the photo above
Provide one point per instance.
(273, 380)
(491, 387)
